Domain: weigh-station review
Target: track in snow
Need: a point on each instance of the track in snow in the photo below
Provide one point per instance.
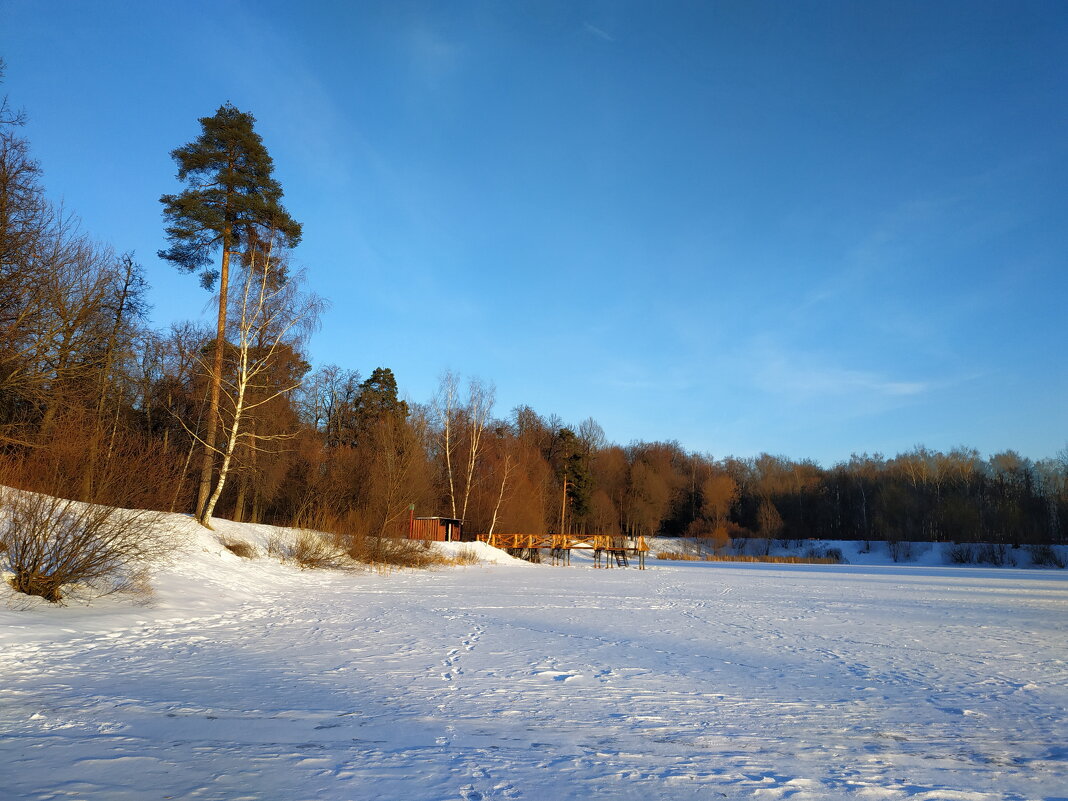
(684, 681)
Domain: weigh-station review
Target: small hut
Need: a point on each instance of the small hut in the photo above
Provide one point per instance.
(437, 529)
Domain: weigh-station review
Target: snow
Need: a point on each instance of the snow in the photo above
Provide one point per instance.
(250, 679)
(854, 552)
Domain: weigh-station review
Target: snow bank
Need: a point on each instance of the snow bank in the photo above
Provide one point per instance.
(484, 552)
(857, 552)
(204, 574)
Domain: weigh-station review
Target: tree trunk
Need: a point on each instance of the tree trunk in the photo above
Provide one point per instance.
(239, 504)
(500, 495)
(207, 466)
(224, 468)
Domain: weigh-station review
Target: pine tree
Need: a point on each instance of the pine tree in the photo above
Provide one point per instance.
(378, 402)
(230, 200)
(575, 472)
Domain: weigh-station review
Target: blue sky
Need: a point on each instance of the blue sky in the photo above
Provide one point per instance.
(806, 228)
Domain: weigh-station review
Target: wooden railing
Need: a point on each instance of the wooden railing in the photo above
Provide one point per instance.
(566, 542)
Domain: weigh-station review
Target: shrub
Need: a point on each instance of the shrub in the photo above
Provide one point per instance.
(711, 535)
(277, 547)
(465, 556)
(389, 552)
(127, 470)
(834, 555)
(308, 549)
(242, 548)
(1045, 556)
(52, 543)
(996, 554)
(900, 550)
(961, 554)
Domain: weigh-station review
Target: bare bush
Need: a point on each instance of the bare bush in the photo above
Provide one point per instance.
(242, 548)
(900, 550)
(1045, 556)
(465, 556)
(277, 547)
(823, 552)
(713, 536)
(308, 549)
(123, 469)
(995, 553)
(52, 544)
(962, 553)
(390, 552)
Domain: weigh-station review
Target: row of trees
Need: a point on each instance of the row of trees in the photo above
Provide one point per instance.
(234, 422)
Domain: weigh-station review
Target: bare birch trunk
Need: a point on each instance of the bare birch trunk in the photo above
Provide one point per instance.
(500, 495)
(207, 466)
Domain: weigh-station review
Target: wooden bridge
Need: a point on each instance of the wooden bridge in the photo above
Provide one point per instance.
(609, 548)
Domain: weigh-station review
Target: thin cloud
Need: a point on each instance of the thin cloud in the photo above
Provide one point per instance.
(833, 382)
(432, 57)
(801, 379)
(600, 33)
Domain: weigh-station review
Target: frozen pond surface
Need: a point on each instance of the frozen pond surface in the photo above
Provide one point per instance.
(686, 681)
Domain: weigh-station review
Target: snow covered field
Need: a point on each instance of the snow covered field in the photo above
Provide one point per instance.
(253, 680)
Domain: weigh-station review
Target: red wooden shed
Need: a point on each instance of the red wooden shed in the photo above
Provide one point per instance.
(438, 529)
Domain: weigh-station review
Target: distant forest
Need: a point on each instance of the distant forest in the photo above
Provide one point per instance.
(233, 421)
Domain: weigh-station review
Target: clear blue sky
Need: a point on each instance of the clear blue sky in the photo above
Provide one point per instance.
(807, 228)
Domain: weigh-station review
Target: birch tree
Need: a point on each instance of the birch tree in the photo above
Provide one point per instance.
(270, 316)
(462, 425)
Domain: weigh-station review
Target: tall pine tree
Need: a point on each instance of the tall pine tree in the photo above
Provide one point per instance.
(230, 200)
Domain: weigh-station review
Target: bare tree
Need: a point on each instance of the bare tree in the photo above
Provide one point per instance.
(445, 404)
(24, 211)
(271, 315)
(399, 474)
(507, 467)
(462, 426)
(477, 413)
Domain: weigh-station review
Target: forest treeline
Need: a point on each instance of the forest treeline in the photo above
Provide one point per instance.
(232, 420)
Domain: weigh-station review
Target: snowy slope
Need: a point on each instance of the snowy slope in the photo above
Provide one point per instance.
(255, 680)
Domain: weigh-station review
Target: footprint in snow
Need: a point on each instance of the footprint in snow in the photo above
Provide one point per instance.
(557, 675)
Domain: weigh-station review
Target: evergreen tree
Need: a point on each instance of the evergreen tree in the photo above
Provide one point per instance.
(575, 472)
(231, 201)
(378, 402)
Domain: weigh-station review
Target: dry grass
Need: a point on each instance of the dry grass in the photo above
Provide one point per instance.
(352, 535)
(277, 546)
(678, 556)
(307, 549)
(351, 546)
(465, 556)
(310, 550)
(777, 560)
(242, 548)
(387, 553)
